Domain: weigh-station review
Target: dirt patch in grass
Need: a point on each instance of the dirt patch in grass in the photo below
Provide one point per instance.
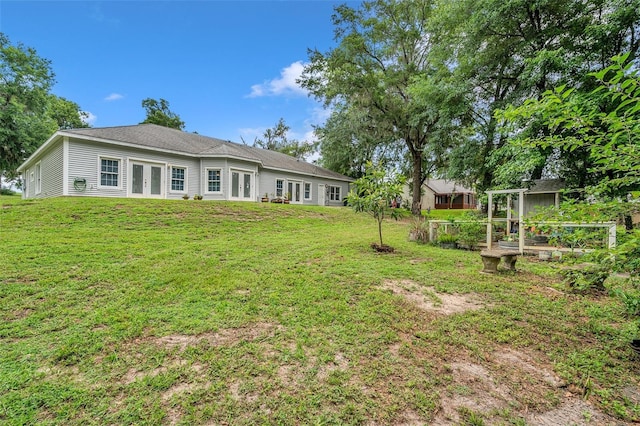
(339, 363)
(516, 382)
(224, 337)
(426, 298)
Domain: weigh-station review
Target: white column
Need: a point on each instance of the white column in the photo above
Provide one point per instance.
(521, 220)
(612, 236)
(489, 218)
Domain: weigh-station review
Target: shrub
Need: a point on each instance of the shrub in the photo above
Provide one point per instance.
(447, 238)
(472, 230)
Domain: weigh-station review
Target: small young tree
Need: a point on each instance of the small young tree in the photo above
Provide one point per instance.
(374, 193)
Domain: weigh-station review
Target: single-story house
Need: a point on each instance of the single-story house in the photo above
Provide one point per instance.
(443, 194)
(152, 161)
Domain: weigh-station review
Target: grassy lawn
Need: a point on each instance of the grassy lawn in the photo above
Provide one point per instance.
(196, 312)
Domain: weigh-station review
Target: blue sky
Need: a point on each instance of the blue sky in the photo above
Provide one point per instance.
(227, 68)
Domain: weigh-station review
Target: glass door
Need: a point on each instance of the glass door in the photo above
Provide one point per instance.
(146, 180)
(242, 185)
(295, 192)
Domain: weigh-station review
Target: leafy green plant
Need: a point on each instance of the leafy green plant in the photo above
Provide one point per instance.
(446, 238)
(586, 277)
(471, 230)
(373, 193)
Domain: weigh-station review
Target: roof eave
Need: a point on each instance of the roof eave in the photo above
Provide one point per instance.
(38, 151)
(347, 179)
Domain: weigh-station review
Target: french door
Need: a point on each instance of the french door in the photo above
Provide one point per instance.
(242, 185)
(146, 179)
(294, 192)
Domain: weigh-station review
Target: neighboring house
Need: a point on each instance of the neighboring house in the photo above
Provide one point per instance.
(151, 161)
(444, 194)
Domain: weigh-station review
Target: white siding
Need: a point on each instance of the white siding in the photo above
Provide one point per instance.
(50, 173)
(83, 163)
(267, 184)
(84, 160)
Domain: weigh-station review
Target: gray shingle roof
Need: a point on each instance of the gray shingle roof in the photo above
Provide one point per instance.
(166, 139)
(443, 186)
(546, 186)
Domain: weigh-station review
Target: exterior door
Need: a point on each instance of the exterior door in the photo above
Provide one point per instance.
(242, 185)
(295, 192)
(146, 180)
(322, 195)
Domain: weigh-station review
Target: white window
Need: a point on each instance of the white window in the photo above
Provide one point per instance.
(178, 179)
(279, 187)
(109, 172)
(38, 178)
(307, 191)
(334, 193)
(214, 180)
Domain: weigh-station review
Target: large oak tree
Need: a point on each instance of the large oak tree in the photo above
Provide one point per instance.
(383, 71)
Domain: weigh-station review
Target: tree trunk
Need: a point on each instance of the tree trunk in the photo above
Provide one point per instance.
(416, 184)
(380, 230)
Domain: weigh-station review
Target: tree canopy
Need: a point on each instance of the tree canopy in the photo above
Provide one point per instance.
(418, 83)
(382, 72)
(508, 51)
(604, 123)
(158, 112)
(29, 113)
(276, 139)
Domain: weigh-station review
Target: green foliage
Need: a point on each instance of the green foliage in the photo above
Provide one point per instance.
(508, 51)
(349, 140)
(385, 98)
(276, 139)
(29, 114)
(373, 194)
(445, 238)
(472, 229)
(631, 301)
(605, 123)
(66, 114)
(583, 278)
(419, 229)
(25, 81)
(158, 112)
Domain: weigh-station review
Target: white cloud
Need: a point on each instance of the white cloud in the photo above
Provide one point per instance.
(250, 134)
(90, 118)
(113, 97)
(284, 85)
